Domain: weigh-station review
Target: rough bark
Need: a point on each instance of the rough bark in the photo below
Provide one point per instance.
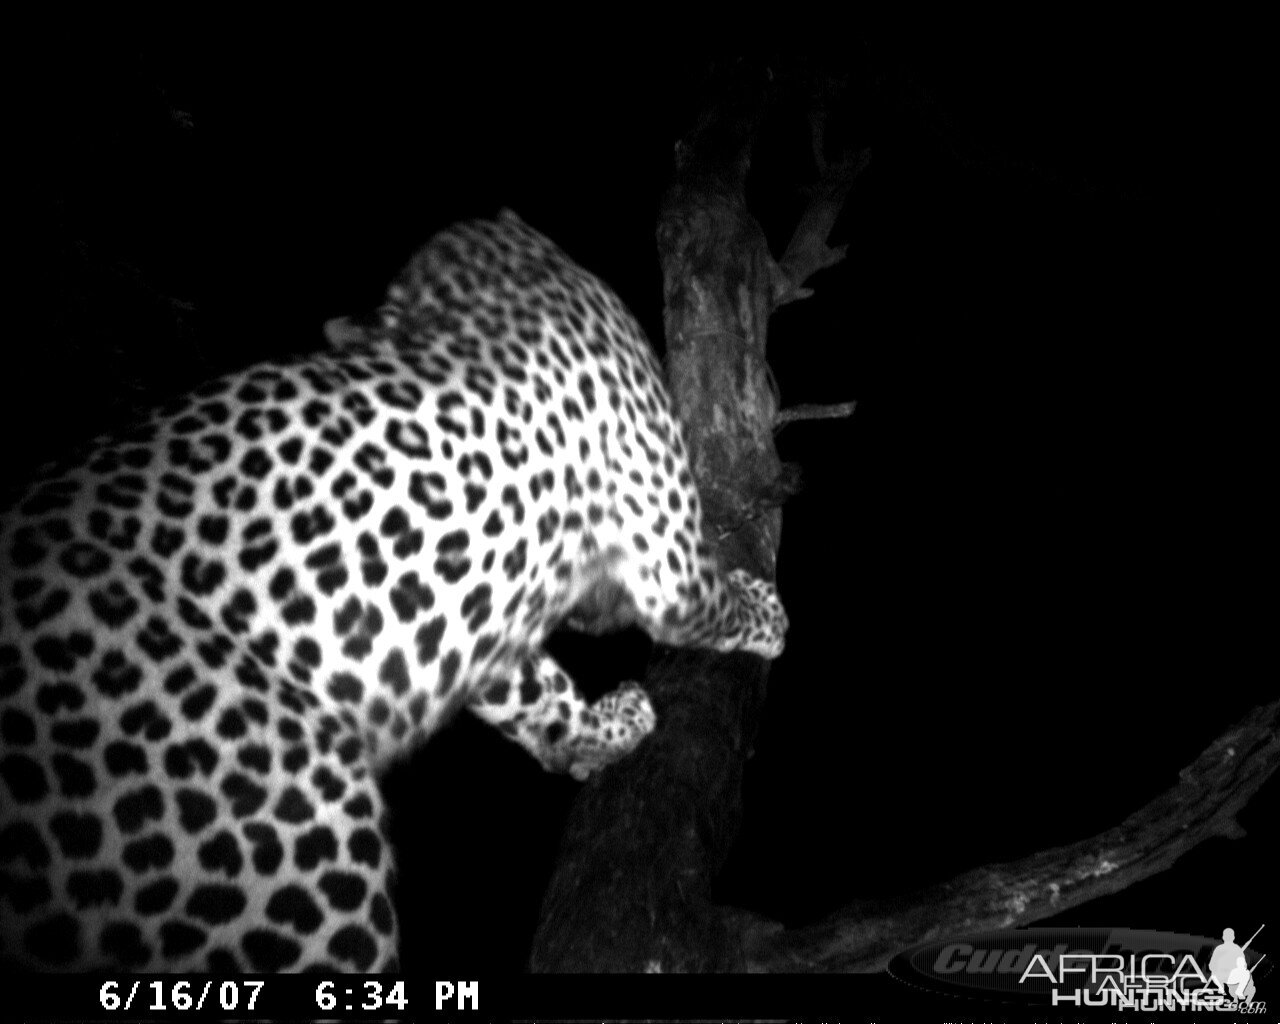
(646, 839)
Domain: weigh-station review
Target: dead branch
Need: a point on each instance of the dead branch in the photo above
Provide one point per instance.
(1210, 792)
(836, 411)
(808, 252)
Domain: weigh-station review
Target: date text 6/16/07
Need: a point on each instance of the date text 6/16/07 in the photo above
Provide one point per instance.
(179, 995)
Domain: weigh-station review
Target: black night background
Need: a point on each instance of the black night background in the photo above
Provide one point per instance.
(1026, 579)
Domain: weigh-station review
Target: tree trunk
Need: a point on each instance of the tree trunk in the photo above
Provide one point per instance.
(646, 839)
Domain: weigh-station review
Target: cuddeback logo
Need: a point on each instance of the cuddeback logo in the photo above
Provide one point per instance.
(1120, 968)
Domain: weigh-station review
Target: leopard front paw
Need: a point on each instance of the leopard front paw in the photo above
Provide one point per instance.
(612, 728)
(763, 626)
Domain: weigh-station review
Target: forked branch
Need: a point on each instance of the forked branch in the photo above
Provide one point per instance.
(808, 251)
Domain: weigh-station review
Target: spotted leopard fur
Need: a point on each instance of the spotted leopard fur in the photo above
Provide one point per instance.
(217, 631)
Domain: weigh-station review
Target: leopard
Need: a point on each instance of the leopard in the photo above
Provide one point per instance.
(220, 627)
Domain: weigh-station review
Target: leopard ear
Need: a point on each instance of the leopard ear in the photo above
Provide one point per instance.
(343, 331)
(509, 216)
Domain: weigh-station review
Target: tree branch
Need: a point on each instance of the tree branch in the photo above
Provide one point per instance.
(1203, 804)
(792, 414)
(808, 252)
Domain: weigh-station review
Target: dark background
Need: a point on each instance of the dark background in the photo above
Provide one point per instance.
(1025, 579)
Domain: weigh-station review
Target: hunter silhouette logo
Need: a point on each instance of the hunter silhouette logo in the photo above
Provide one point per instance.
(1228, 968)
